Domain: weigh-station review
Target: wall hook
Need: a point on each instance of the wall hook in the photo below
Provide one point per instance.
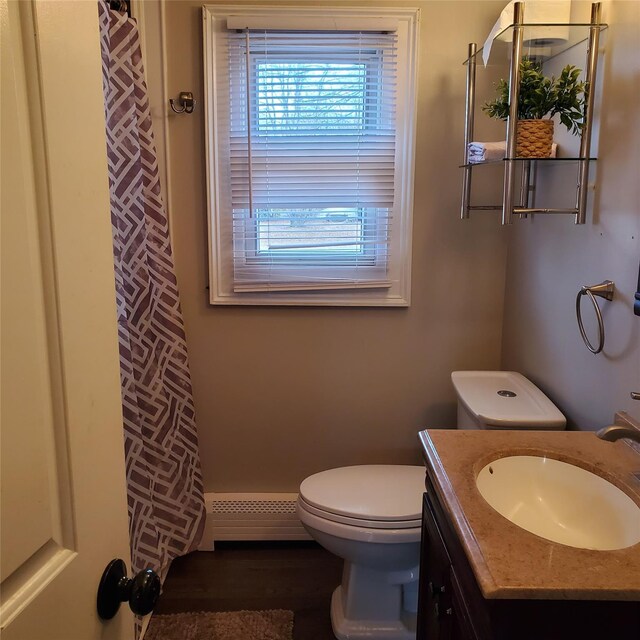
(186, 102)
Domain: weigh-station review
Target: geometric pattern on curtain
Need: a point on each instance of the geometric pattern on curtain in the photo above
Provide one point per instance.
(164, 481)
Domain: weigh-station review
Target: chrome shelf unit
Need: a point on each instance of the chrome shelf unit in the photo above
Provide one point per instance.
(521, 207)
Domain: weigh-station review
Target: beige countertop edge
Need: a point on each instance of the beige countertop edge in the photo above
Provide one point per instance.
(492, 573)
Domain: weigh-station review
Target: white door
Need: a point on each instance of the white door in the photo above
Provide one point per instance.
(63, 482)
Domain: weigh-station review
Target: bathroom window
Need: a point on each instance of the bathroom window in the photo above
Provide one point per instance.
(310, 155)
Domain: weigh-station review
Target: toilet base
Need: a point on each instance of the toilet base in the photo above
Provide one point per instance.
(350, 629)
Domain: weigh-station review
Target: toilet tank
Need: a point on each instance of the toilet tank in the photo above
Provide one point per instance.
(503, 400)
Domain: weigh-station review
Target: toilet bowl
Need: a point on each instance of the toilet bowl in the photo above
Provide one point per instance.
(369, 515)
(503, 400)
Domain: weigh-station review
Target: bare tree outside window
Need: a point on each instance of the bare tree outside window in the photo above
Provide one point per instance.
(310, 98)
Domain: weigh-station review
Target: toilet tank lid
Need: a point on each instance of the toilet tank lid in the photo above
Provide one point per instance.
(373, 492)
(483, 394)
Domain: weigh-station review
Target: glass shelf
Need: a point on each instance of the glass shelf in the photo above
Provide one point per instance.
(540, 41)
(542, 160)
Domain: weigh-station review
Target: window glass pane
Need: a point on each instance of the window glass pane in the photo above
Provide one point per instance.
(310, 231)
(310, 97)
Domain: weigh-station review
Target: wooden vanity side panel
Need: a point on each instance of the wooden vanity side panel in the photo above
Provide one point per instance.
(470, 591)
(434, 585)
(462, 623)
(443, 560)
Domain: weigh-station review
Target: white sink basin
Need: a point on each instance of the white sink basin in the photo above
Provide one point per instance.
(560, 502)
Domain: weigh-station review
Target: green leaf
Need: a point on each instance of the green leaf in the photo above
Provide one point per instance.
(542, 96)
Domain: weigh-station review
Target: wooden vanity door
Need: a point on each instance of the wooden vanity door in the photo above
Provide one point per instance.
(461, 626)
(434, 605)
(442, 612)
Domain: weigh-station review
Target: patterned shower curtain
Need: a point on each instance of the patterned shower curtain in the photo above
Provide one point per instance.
(165, 497)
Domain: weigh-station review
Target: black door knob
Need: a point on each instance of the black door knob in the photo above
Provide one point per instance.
(141, 592)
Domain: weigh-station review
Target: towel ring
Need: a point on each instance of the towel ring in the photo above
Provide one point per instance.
(604, 290)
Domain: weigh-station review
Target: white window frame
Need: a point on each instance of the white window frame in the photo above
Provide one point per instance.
(221, 247)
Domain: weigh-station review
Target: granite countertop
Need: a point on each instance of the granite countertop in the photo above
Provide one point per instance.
(509, 562)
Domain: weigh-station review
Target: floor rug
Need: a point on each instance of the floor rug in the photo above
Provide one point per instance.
(225, 625)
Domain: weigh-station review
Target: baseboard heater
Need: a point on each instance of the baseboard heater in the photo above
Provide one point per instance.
(251, 516)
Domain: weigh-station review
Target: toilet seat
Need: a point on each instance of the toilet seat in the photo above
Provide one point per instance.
(358, 522)
(377, 493)
(369, 503)
(359, 533)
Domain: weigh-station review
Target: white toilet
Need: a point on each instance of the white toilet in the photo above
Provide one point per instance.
(503, 400)
(369, 515)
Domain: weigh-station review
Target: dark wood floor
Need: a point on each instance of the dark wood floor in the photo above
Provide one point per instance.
(295, 576)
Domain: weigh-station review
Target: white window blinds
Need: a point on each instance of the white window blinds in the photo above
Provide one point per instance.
(308, 143)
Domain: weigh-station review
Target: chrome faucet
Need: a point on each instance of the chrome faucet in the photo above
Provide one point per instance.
(615, 432)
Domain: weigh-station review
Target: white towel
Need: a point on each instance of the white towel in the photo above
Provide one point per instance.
(492, 151)
(486, 151)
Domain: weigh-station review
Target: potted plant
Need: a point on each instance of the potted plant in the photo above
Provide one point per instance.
(539, 97)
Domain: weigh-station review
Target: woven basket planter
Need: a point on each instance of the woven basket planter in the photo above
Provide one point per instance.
(534, 138)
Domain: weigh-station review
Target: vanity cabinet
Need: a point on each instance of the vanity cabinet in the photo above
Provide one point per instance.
(452, 607)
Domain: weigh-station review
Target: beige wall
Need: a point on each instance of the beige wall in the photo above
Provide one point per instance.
(550, 259)
(284, 392)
